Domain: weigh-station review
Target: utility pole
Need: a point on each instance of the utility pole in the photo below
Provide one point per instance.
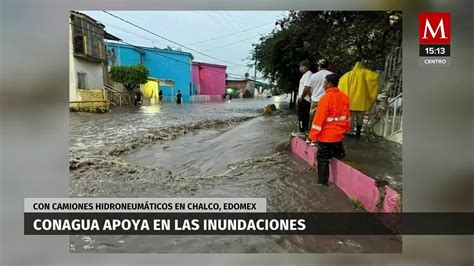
(255, 65)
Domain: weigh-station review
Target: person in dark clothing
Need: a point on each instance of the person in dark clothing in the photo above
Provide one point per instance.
(179, 97)
(161, 95)
(138, 97)
(304, 97)
(326, 151)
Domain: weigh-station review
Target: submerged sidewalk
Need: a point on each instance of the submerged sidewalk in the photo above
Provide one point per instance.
(381, 159)
(373, 193)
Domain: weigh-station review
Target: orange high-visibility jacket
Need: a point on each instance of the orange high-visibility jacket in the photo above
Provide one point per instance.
(332, 117)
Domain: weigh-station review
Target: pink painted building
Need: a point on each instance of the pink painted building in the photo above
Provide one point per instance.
(209, 79)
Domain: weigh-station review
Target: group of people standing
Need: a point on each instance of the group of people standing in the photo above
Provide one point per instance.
(330, 107)
(139, 97)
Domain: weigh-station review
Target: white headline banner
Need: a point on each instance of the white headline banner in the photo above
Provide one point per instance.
(73, 205)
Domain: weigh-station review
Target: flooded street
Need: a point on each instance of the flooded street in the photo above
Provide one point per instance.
(222, 149)
(113, 132)
(209, 152)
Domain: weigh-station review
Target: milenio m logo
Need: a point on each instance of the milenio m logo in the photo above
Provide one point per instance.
(434, 37)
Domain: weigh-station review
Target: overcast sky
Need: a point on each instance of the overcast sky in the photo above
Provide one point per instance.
(194, 29)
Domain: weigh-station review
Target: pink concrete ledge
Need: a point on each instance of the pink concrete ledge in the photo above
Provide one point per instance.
(392, 201)
(354, 183)
(304, 151)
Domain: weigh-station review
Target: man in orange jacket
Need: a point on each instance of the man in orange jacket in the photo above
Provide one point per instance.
(331, 122)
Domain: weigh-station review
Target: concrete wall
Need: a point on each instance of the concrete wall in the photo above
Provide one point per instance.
(250, 86)
(196, 81)
(94, 101)
(352, 182)
(171, 65)
(126, 55)
(161, 64)
(242, 85)
(212, 78)
(94, 74)
(150, 92)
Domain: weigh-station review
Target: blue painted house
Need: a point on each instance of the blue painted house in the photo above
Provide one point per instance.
(173, 66)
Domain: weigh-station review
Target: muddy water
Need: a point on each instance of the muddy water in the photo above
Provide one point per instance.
(380, 159)
(220, 155)
(209, 152)
(105, 134)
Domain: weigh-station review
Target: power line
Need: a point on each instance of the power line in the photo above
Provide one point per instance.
(152, 51)
(228, 20)
(235, 22)
(135, 25)
(230, 44)
(154, 40)
(146, 38)
(227, 49)
(231, 34)
(157, 53)
(168, 57)
(211, 16)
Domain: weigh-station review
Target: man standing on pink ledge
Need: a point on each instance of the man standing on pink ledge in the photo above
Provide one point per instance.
(331, 122)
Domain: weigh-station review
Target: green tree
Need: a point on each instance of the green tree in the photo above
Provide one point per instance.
(341, 37)
(129, 76)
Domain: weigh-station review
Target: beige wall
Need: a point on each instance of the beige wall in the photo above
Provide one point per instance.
(94, 101)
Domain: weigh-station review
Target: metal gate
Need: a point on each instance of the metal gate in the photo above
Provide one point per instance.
(393, 90)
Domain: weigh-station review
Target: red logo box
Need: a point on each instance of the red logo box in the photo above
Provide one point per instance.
(434, 28)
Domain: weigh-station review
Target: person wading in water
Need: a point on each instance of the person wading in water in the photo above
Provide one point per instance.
(179, 97)
(331, 122)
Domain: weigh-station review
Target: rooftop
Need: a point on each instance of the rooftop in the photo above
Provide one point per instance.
(241, 80)
(209, 65)
(107, 35)
(150, 48)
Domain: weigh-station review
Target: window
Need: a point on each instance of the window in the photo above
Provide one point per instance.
(81, 80)
(79, 44)
(88, 38)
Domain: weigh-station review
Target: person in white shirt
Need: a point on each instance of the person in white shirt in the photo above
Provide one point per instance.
(304, 97)
(317, 86)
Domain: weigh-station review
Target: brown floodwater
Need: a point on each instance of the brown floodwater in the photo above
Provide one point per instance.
(220, 150)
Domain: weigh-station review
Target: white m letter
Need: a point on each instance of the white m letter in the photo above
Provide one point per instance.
(433, 33)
